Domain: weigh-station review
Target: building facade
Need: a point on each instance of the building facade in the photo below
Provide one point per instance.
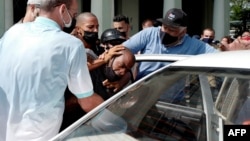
(201, 13)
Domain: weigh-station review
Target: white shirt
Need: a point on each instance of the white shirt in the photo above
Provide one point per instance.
(38, 61)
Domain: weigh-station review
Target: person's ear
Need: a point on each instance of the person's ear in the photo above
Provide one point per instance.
(32, 7)
(183, 32)
(62, 8)
(79, 30)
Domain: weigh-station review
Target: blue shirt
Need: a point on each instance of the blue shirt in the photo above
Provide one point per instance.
(148, 41)
(38, 60)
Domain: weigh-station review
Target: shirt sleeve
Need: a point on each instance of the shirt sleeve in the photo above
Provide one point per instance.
(142, 40)
(210, 49)
(137, 42)
(80, 82)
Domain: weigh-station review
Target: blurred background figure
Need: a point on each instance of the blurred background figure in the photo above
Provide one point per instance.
(147, 23)
(208, 36)
(196, 37)
(240, 43)
(225, 39)
(121, 23)
(245, 35)
(32, 11)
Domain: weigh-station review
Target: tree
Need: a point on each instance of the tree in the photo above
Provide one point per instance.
(240, 11)
(237, 8)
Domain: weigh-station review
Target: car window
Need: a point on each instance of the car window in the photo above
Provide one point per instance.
(160, 112)
(172, 103)
(233, 102)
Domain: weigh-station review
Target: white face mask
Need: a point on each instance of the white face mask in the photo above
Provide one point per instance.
(70, 22)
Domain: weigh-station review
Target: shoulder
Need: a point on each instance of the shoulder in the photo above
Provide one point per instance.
(193, 41)
(91, 54)
(151, 30)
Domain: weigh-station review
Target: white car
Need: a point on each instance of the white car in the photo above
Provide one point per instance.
(189, 99)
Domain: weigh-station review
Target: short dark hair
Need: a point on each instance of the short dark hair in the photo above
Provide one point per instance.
(146, 20)
(120, 17)
(49, 5)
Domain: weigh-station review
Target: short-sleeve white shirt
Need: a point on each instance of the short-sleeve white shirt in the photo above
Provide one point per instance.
(38, 61)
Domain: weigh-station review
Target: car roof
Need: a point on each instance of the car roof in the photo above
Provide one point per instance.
(227, 59)
(160, 57)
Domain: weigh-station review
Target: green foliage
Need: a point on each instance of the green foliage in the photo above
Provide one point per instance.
(238, 8)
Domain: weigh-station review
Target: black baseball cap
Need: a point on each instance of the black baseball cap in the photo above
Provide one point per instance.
(174, 17)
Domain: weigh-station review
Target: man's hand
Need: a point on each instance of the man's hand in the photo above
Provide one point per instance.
(112, 85)
(118, 85)
(237, 44)
(114, 51)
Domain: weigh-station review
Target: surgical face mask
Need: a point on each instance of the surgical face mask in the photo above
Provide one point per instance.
(167, 39)
(110, 73)
(70, 29)
(90, 37)
(207, 40)
(245, 38)
(70, 21)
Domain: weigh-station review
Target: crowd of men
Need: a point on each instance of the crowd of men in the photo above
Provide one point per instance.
(53, 64)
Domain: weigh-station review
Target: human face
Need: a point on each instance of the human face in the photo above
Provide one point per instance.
(89, 29)
(73, 9)
(122, 27)
(90, 24)
(67, 14)
(121, 65)
(171, 36)
(246, 36)
(173, 31)
(207, 34)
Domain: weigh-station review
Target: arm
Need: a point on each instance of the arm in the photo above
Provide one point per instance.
(104, 58)
(237, 44)
(89, 103)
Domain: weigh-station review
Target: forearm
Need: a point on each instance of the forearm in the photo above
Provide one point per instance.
(95, 64)
(89, 103)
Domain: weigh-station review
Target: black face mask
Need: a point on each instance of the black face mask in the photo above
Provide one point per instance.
(110, 73)
(207, 40)
(70, 29)
(90, 37)
(167, 39)
(123, 34)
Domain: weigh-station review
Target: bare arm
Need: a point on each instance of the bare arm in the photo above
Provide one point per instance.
(89, 103)
(237, 44)
(105, 57)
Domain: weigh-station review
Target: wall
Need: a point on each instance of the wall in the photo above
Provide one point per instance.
(130, 9)
(2, 24)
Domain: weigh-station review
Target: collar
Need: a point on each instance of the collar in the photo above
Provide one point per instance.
(181, 40)
(47, 22)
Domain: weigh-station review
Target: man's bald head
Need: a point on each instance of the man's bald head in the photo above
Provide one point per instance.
(128, 58)
(123, 63)
(83, 18)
